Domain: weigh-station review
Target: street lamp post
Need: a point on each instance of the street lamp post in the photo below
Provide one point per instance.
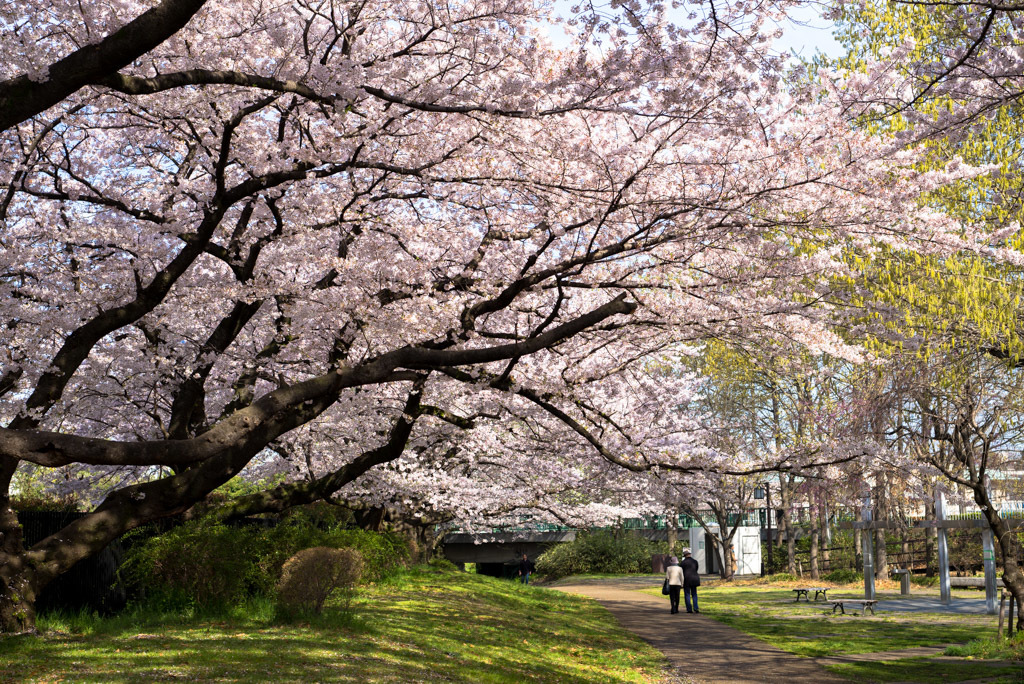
(768, 517)
(764, 491)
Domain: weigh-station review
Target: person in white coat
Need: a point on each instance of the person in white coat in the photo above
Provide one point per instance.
(674, 577)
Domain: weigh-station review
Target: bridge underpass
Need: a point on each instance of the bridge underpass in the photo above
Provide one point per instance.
(498, 553)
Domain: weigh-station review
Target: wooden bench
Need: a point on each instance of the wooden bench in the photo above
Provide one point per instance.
(865, 604)
(972, 581)
(818, 591)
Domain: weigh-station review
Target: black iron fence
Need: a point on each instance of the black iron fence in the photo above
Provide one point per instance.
(91, 584)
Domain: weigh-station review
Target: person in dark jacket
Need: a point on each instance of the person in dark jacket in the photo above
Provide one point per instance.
(526, 567)
(691, 580)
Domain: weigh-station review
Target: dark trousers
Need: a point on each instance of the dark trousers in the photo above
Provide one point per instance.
(688, 593)
(673, 596)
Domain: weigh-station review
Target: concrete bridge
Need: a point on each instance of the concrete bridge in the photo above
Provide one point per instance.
(498, 553)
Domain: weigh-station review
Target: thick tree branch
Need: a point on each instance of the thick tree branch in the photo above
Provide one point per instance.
(80, 343)
(250, 429)
(137, 85)
(291, 494)
(21, 98)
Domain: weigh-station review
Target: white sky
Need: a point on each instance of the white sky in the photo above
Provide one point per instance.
(806, 34)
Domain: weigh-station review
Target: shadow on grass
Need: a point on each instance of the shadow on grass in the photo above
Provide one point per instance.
(810, 629)
(925, 671)
(432, 625)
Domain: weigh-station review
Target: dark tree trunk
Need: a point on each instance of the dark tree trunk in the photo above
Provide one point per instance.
(726, 534)
(17, 603)
(931, 536)
(782, 517)
(881, 557)
(729, 561)
(372, 519)
(17, 586)
(672, 532)
(826, 535)
(787, 528)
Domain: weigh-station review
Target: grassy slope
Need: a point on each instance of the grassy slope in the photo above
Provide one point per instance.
(427, 625)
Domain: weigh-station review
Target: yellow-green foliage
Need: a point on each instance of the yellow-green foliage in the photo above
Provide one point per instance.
(967, 299)
(941, 303)
(598, 551)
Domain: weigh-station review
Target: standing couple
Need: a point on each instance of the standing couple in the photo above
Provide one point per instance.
(685, 577)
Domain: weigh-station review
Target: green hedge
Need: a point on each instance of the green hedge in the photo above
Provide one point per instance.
(843, 576)
(206, 564)
(599, 552)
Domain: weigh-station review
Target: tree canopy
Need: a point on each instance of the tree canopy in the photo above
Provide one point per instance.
(306, 240)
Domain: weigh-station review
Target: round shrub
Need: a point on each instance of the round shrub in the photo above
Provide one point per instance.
(311, 575)
(383, 552)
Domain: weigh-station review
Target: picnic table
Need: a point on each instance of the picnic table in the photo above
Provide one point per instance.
(865, 604)
(804, 591)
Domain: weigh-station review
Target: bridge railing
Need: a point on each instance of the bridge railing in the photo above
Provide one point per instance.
(654, 522)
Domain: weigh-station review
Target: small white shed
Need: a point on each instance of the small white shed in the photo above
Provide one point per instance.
(746, 545)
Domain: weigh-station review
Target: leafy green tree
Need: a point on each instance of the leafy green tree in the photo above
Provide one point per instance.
(955, 320)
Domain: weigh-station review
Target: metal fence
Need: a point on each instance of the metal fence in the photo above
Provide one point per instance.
(91, 584)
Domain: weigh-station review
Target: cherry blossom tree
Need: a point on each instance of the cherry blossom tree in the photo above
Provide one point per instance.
(308, 238)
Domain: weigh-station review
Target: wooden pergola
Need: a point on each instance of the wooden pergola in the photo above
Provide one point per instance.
(941, 524)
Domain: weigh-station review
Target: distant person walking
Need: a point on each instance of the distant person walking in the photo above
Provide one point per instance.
(691, 580)
(526, 567)
(674, 577)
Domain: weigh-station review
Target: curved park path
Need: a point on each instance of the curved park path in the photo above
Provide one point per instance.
(701, 650)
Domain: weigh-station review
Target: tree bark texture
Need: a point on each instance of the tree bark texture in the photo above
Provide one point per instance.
(931, 536)
(672, 532)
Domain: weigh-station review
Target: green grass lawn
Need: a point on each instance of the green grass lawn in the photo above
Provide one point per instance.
(810, 629)
(768, 612)
(923, 671)
(428, 625)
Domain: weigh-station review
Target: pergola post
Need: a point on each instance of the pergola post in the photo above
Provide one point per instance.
(988, 555)
(945, 595)
(867, 551)
(826, 516)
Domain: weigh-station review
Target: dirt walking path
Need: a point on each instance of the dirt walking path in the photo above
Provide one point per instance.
(700, 649)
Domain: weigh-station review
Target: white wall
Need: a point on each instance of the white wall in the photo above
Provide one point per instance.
(746, 546)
